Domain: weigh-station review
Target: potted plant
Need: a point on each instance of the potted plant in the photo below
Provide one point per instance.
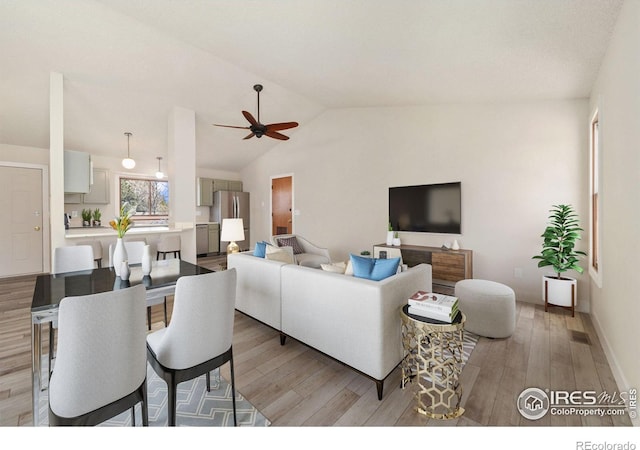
(559, 252)
(86, 217)
(396, 239)
(97, 215)
(390, 235)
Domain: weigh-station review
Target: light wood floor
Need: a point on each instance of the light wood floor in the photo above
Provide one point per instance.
(293, 385)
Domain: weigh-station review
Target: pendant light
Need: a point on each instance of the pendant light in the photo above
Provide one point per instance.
(159, 173)
(128, 163)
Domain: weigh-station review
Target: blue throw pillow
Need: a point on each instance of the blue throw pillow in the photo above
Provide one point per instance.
(362, 266)
(384, 268)
(373, 268)
(260, 250)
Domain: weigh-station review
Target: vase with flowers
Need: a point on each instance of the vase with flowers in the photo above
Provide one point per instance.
(121, 224)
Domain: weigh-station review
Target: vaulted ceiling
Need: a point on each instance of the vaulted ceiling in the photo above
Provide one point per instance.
(127, 63)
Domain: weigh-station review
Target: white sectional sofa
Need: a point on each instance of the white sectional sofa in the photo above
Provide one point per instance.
(258, 289)
(354, 320)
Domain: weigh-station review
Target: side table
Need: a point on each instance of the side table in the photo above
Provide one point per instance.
(433, 358)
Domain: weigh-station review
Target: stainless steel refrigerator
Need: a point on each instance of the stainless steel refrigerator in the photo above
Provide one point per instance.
(232, 205)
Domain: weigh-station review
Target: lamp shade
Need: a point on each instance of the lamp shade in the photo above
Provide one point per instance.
(232, 230)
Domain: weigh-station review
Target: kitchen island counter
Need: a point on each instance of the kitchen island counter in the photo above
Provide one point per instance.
(91, 232)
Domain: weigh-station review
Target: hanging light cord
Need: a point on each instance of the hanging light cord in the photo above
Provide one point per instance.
(128, 136)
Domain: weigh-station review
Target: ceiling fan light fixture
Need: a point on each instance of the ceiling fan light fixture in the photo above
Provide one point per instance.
(159, 173)
(128, 163)
(257, 128)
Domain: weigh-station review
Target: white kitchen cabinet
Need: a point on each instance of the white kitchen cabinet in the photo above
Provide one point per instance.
(77, 172)
(207, 186)
(235, 186)
(214, 238)
(220, 185)
(205, 192)
(99, 193)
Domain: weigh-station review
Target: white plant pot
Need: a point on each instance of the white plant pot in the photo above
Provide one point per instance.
(389, 237)
(396, 242)
(559, 292)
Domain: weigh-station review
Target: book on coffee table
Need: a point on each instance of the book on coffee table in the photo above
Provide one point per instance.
(432, 315)
(439, 303)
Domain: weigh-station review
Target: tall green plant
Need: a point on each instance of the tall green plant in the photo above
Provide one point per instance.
(560, 236)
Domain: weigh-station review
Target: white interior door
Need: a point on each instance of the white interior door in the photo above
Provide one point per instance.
(21, 225)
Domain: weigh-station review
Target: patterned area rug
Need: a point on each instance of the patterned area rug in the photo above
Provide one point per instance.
(469, 341)
(195, 406)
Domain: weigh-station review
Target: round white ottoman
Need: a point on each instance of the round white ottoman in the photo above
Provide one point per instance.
(490, 307)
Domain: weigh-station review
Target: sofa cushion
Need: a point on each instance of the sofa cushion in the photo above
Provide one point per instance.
(349, 270)
(311, 260)
(374, 268)
(290, 242)
(338, 267)
(282, 254)
(261, 249)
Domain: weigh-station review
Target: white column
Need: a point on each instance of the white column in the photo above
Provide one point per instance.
(181, 167)
(56, 162)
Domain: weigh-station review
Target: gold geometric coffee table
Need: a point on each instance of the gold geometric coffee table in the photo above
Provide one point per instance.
(433, 359)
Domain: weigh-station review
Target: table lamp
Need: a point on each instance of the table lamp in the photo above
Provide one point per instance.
(232, 230)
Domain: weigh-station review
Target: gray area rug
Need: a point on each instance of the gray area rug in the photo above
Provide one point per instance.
(195, 406)
(469, 341)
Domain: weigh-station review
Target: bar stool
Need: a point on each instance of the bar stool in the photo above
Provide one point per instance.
(169, 244)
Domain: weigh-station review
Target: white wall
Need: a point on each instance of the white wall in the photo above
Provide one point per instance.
(20, 154)
(514, 162)
(616, 307)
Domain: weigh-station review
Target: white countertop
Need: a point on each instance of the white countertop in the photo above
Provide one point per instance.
(89, 232)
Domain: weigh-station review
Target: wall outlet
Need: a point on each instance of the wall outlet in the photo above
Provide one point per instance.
(517, 272)
(74, 213)
(198, 212)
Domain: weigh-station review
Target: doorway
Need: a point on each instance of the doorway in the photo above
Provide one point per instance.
(22, 228)
(282, 205)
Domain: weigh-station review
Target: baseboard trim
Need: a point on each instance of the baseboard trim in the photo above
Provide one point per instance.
(618, 375)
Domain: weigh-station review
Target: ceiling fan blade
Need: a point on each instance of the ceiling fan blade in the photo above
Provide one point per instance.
(247, 115)
(281, 126)
(249, 136)
(230, 126)
(276, 135)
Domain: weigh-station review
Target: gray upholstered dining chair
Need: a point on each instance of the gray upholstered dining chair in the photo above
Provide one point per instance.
(198, 339)
(97, 250)
(101, 367)
(169, 244)
(73, 258)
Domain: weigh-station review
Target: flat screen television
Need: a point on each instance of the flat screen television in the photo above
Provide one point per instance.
(428, 208)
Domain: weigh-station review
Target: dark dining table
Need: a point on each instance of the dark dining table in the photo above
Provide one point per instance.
(50, 289)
